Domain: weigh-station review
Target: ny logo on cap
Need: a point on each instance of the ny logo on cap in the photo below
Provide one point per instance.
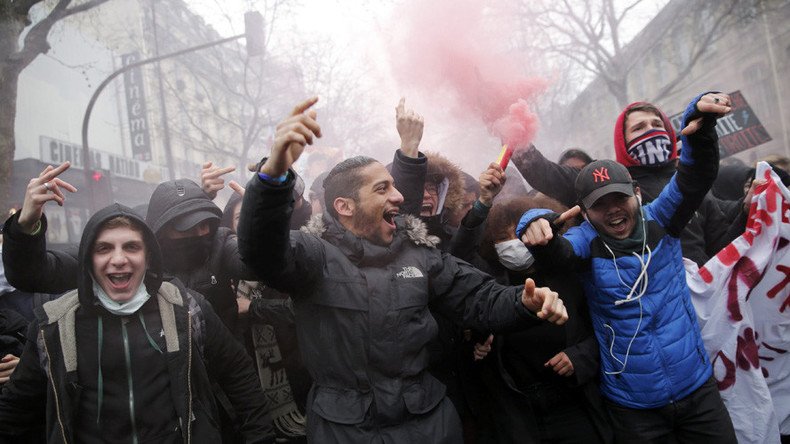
(601, 174)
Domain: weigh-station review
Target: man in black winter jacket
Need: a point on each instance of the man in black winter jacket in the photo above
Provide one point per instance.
(362, 279)
(127, 357)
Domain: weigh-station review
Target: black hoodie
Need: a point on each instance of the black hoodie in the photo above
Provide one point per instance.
(31, 267)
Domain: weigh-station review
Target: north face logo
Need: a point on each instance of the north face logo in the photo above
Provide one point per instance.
(601, 174)
(409, 273)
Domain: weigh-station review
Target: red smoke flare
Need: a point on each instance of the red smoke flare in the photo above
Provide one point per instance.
(450, 51)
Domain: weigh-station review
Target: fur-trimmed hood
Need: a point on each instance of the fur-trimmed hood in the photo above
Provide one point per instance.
(451, 194)
(411, 226)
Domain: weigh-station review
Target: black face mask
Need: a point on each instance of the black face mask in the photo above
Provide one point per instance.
(185, 254)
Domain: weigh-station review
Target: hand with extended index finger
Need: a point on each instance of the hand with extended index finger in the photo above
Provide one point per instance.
(546, 304)
(211, 178)
(290, 138)
(410, 126)
(40, 190)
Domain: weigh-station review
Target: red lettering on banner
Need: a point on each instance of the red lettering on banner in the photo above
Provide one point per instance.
(780, 286)
(706, 275)
(746, 355)
(729, 255)
(781, 351)
(745, 271)
(729, 371)
(746, 358)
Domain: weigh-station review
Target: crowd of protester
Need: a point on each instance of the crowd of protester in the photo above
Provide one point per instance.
(407, 302)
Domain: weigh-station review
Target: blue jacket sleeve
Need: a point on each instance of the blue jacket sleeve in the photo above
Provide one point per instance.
(566, 252)
(696, 172)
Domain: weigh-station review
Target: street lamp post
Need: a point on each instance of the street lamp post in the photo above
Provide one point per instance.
(253, 22)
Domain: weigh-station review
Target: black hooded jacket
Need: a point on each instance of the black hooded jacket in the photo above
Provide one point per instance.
(102, 377)
(212, 277)
(30, 267)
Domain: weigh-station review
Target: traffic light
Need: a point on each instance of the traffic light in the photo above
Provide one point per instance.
(101, 186)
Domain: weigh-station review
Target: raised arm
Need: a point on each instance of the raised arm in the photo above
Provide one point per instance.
(28, 265)
(551, 179)
(283, 260)
(409, 166)
(698, 165)
(466, 240)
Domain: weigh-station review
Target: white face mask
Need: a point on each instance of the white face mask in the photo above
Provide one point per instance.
(514, 255)
(122, 309)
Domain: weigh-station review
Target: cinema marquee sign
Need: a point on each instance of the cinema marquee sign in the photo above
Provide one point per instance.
(136, 108)
(738, 131)
(55, 152)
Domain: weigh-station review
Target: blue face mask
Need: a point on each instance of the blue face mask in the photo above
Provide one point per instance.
(514, 255)
(122, 308)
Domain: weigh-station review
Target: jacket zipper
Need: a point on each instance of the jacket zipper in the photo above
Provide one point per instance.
(127, 356)
(189, 376)
(54, 389)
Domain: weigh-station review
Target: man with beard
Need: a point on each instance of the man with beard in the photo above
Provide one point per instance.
(655, 372)
(362, 278)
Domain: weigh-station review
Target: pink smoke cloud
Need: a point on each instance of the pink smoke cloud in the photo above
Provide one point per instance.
(455, 52)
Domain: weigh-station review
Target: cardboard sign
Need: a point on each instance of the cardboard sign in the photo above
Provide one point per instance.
(738, 131)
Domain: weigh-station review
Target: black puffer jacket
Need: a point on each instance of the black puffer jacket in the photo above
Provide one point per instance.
(362, 316)
(146, 375)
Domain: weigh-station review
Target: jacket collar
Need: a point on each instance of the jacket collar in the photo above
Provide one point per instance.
(363, 252)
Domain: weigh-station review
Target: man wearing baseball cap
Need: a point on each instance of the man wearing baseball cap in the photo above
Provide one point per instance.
(655, 372)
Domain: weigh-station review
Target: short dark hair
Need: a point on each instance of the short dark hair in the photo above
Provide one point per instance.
(575, 153)
(646, 107)
(344, 180)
